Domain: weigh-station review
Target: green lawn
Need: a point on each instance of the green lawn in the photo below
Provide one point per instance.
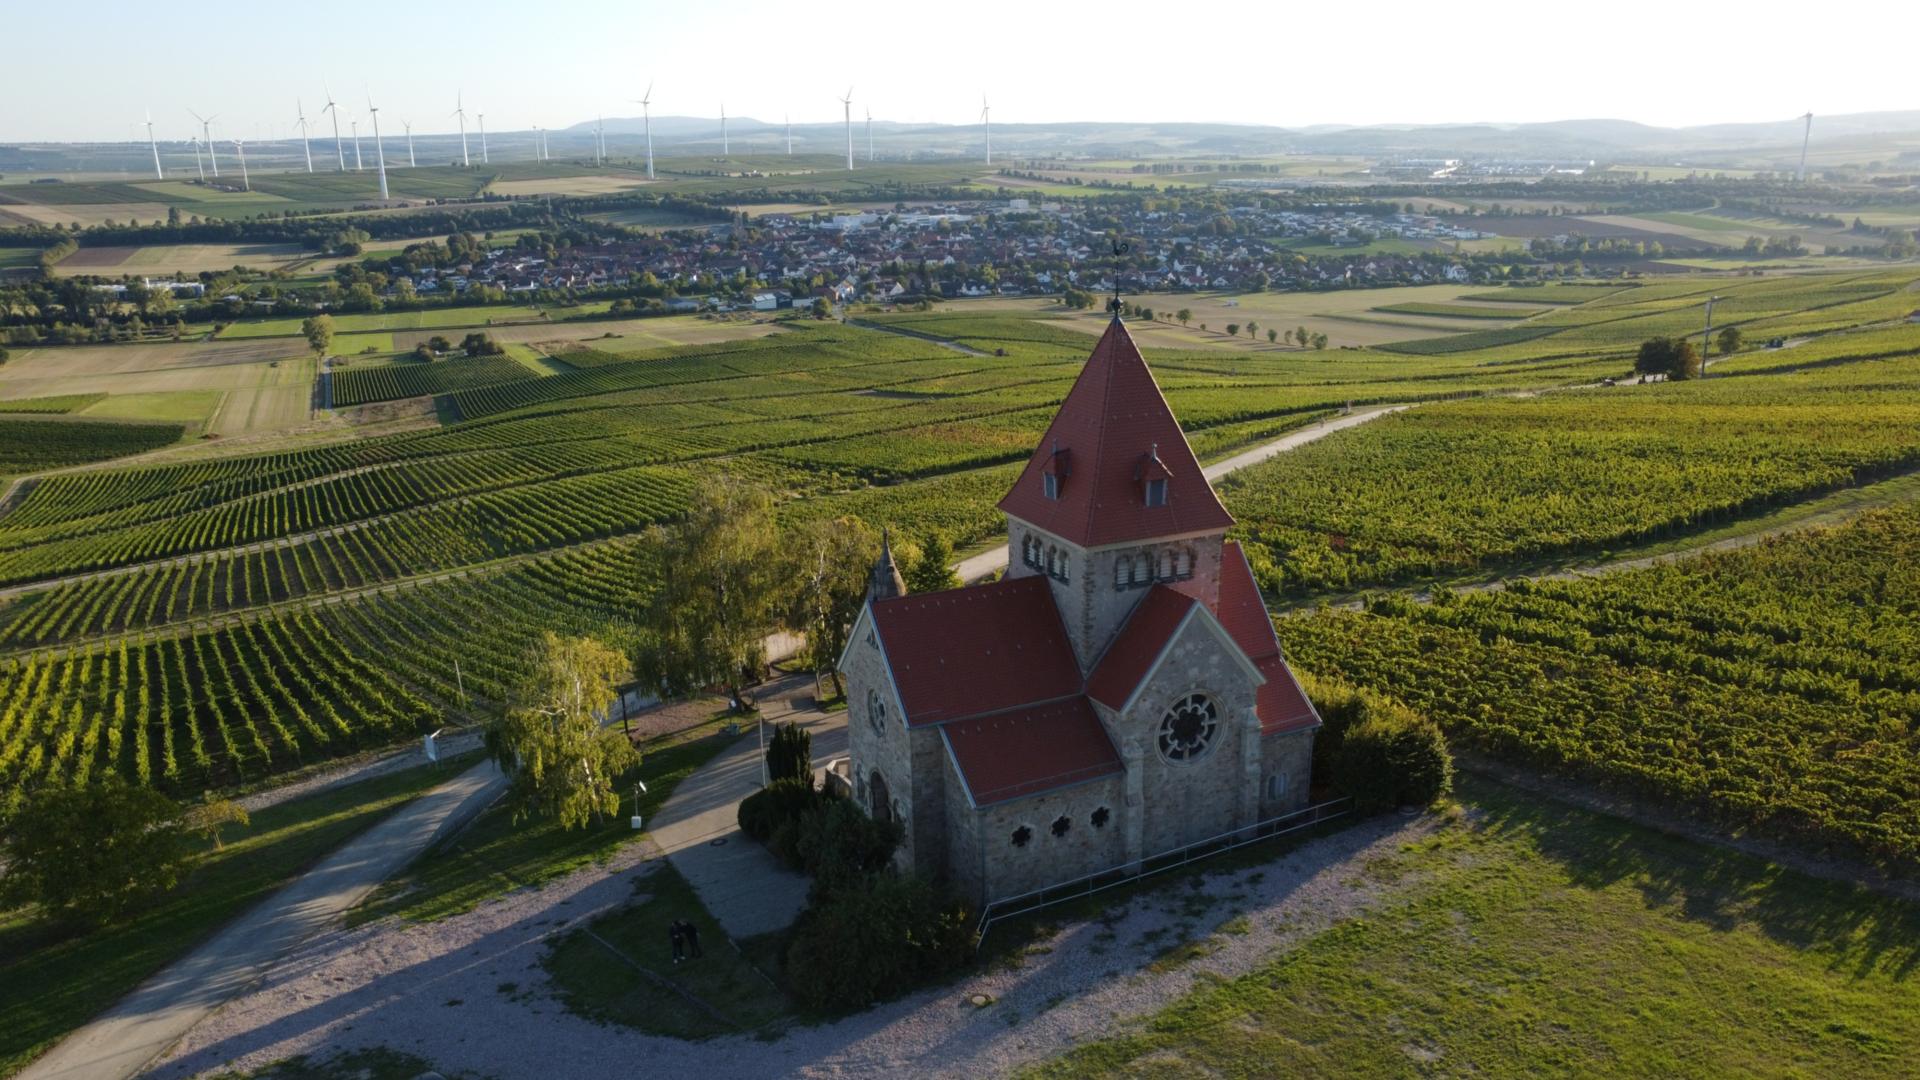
(52, 982)
(619, 969)
(178, 406)
(430, 319)
(496, 855)
(1542, 940)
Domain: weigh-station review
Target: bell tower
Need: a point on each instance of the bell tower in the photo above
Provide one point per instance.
(1113, 501)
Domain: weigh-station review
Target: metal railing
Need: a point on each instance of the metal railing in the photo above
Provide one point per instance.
(1172, 859)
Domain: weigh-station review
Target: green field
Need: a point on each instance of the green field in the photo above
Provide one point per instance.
(1534, 939)
(1462, 311)
(430, 319)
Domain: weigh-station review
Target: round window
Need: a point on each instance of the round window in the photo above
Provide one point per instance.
(1186, 732)
(876, 711)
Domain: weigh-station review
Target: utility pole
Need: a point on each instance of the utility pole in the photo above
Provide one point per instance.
(1706, 339)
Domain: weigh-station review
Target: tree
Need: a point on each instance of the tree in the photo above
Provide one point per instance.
(1272, 334)
(1233, 329)
(790, 754)
(424, 352)
(1319, 341)
(1253, 329)
(1184, 314)
(318, 331)
(723, 577)
(1671, 357)
(213, 814)
(1729, 340)
(1300, 335)
(834, 560)
(932, 571)
(91, 852)
(480, 344)
(559, 761)
(821, 309)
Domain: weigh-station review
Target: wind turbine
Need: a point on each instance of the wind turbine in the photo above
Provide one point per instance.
(197, 163)
(869, 136)
(339, 152)
(724, 150)
(599, 139)
(304, 141)
(646, 118)
(847, 102)
(460, 110)
(986, 126)
(408, 124)
(1804, 139)
(483, 138)
(789, 134)
(158, 172)
(354, 124)
(379, 152)
(206, 136)
(241, 149)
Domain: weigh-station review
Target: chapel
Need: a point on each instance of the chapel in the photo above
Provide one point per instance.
(1119, 693)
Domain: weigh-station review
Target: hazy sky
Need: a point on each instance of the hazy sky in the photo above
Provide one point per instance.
(555, 62)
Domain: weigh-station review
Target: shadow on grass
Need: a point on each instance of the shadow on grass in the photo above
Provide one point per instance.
(496, 855)
(53, 978)
(1858, 930)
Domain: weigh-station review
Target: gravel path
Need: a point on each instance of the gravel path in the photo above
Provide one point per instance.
(468, 992)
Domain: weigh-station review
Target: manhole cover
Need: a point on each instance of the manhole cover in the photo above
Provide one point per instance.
(722, 842)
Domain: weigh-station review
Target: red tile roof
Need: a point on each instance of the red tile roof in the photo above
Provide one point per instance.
(1112, 420)
(984, 648)
(1280, 703)
(1242, 610)
(1137, 645)
(1008, 755)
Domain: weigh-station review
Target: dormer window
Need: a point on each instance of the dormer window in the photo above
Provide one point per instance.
(1152, 474)
(1059, 466)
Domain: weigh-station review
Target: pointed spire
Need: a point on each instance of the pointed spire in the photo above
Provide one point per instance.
(885, 582)
(1120, 435)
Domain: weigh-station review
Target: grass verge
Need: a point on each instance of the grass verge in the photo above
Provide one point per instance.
(1547, 940)
(619, 969)
(495, 855)
(53, 980)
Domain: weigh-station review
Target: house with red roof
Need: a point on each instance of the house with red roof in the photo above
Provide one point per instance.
(1118, 694)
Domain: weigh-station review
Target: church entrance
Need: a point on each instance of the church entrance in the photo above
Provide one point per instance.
(879, 803)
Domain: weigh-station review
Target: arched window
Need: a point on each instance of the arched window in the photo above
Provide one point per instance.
(1166, 566)
(1140, 574)
(879, 803)
(1277, 786)
(1122, 574)
(1183, 564)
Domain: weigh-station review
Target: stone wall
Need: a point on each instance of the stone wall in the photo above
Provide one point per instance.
(1185, 802)
(965, 869)
(882, 747)
(1047, 859)
(1288, 756)
(1096, 590)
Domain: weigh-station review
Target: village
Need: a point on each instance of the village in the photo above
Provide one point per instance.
(1005, 247)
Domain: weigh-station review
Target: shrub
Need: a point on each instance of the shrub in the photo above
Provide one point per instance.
(1394, 757)
(879, 937)
(790, 754)
(781, 802)
(838, 844)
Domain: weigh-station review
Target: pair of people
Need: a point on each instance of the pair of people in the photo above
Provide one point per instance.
(685, 938)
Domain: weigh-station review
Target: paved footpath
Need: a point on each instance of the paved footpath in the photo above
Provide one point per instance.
(128, 1037)
(987, 562)
(746, 889)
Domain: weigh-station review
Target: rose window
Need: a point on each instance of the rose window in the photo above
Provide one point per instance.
(1187, 730)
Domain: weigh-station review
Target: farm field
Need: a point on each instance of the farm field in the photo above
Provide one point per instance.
(570, 185)
(228, 392)
(1513, 937)
(207, 566)
(1447, 490)
(1773, 687)
(181, 260)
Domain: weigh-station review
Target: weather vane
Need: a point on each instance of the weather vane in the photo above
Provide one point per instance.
(1120, 247)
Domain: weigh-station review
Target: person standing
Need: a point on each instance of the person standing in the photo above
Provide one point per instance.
(678, 940)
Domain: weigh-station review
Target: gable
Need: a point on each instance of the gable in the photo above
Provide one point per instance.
(1131, 674)
(1120, 436)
